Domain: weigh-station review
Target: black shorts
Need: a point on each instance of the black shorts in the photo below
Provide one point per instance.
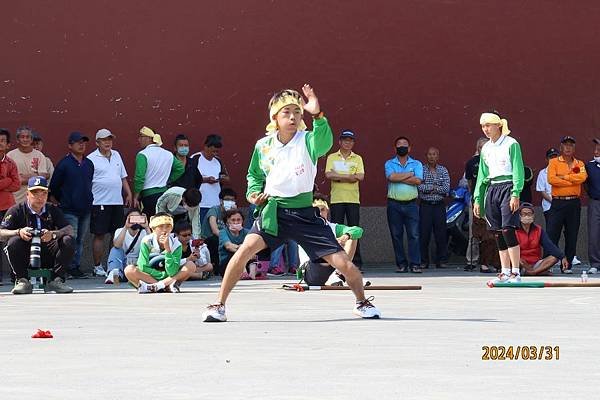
(316, 274)
(497, 207)
(106, 219)
(306, 227)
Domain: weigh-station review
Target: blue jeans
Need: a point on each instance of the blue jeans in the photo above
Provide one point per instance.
(290, 255)
(203, 212)
(81, 226)
(400, 217)
(116, 259)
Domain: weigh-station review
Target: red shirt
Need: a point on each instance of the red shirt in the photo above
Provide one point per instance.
(530, 244)
(9, 182)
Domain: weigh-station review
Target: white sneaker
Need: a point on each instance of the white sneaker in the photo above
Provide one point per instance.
(502, 277)
(592, 271)
(334, 280)
(99, 270)
(173, 287)
(576, 261)
(365, 309)
(514, 278)
(214, 313)
(113, 275)
(147, 288)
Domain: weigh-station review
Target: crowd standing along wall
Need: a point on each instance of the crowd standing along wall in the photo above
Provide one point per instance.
(421, 68)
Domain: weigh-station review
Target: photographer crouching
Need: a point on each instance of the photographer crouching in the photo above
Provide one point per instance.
(36, 230)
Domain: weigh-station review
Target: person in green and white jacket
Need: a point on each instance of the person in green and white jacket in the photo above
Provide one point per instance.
(158, 266)
(281, 178)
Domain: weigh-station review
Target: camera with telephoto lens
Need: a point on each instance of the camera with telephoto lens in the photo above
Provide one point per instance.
(35, 254)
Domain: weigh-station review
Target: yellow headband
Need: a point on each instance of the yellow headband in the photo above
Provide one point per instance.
(320, 203)
(278, 105)
(160, 220)
(491, 118)
(150, 133)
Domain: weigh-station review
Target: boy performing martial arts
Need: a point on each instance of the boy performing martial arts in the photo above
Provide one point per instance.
(499, 184)
(281, 178)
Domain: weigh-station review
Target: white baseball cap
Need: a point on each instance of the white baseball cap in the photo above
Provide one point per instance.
(103, 133)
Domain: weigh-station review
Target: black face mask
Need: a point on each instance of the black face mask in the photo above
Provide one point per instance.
(402, 150)
(136, 227)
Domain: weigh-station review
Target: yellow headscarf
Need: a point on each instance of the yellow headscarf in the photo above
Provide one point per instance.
(320, 203)
(491, 118)
(150, 133)
(284, 101)
(157, 220)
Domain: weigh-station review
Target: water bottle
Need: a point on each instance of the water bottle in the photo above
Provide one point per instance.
(584, 277)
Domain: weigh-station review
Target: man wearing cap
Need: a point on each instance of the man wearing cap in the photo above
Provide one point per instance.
(155, 168)
(542, 186)
(30, 162)
(592, 186)
(345, 169)
(57, 244)
(213, 173)
(38, 144)
(566, 174)
(110, 190)
(71, 188)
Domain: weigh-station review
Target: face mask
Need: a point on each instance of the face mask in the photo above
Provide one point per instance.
(597, 159)
(527, 219)
(402, 150)
(183, 151)
(228, 204)
(136, 227)
(235, 227)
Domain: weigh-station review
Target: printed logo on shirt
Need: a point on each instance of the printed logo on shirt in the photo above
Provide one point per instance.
(35, 163)
(300, 169)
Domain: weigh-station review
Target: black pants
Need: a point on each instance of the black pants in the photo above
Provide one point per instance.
(349, 212)
(565, 214)
(433, 218)
(149, 203)
(56, 255)
(212, 242)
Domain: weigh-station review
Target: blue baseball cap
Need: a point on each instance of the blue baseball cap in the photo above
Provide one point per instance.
(37, 182)
(567, 138)
(75, 137)
(347, 134)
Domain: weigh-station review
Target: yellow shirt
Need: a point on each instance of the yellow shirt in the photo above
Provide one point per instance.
(344, 192)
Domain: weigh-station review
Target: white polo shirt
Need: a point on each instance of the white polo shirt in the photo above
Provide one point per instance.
(542, 185)
(107, 182)
(210, 191)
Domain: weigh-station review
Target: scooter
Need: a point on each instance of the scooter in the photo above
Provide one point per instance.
(457, 221)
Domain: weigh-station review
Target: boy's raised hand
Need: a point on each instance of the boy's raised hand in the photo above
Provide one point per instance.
(312, 105)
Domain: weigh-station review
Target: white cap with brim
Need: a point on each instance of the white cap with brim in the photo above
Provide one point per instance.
(103, 134)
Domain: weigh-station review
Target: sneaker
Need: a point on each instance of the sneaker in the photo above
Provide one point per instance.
(173, 288)
(502, 277)
(22, 286)
(292, 271)
(365, 309)
(514, 278)
(592, 271)
(57, 286)
(76, 273)
(335, 279)
(112, 276)
(99, 270)
(147, 288)
(576, 261)
(214, 313)
(276, 272)
(567, 271)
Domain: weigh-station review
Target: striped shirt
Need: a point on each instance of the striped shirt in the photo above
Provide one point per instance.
(435, 185)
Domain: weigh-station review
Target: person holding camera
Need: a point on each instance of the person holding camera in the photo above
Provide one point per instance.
(36, 218)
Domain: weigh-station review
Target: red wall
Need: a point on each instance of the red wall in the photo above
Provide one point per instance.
(421, 68)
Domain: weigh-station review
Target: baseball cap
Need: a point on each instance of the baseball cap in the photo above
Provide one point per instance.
(37, 182)
(36, 137)
(552, 152)
(596, 140)
(526, 205)
(347, 134)
(103, 134)
(567, 138)
(75, 137)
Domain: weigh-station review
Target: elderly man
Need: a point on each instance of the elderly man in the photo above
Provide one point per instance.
(57, 244)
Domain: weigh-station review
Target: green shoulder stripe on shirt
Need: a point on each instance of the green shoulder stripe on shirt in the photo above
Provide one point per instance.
(141, 165)
(518, 169)
(256, 176)
(320, 139)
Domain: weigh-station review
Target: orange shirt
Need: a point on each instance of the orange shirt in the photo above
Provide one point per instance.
(566, 179)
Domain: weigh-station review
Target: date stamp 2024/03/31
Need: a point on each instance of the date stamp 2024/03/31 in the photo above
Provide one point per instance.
(503, 353)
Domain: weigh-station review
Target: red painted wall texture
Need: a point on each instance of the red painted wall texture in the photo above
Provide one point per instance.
(421, 68)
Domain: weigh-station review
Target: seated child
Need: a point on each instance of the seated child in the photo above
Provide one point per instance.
(318, 272)
(158, 266)
(193, 251)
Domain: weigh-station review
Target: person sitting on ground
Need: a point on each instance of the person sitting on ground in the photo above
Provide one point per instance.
(532, 240)
(212, 224)
(158, 266)
(126, 245)
(231, 237)
(193, 251)
(57, 242)
(319, 272)
(182, 204)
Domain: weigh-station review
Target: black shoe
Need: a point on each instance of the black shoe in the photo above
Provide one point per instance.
(76, 273)
(401, 270)
(416, 270)
(470, 267)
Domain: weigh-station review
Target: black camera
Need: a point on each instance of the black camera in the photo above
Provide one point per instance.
(35, 254)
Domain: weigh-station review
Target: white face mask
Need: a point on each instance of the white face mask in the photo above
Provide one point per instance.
(235, 227)
(229, 204)
(527, 219)
(597, 159)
